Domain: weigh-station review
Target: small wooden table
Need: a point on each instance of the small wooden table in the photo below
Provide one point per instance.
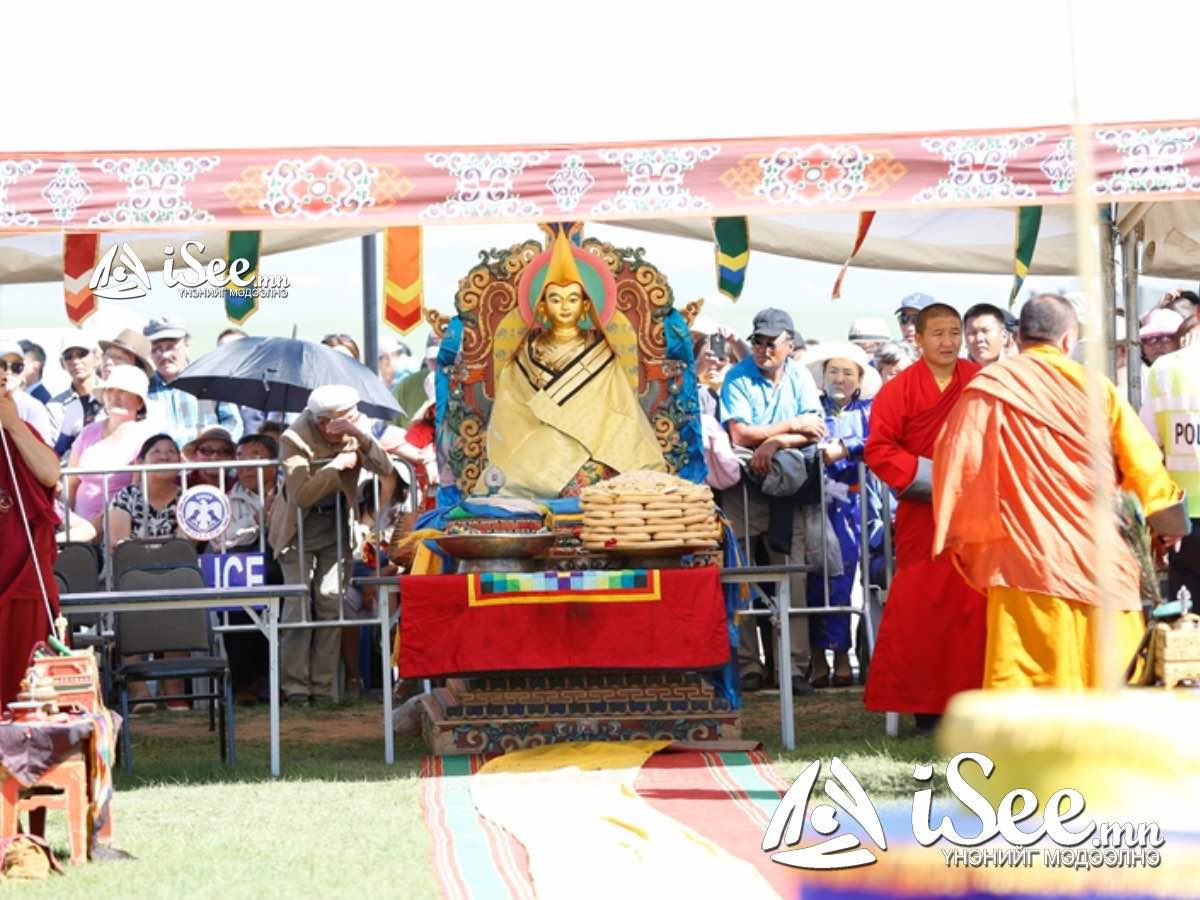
(45, 765)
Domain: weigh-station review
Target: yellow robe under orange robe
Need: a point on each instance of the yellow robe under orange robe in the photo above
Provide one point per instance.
(1012, 502)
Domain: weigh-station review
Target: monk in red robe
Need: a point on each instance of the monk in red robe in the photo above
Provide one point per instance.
(23, 617)
(932, 637)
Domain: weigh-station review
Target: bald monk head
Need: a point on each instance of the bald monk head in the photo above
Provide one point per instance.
(1049, 319)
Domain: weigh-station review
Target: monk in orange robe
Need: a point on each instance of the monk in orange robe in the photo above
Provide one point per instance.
(931, 639)
(1013, 491)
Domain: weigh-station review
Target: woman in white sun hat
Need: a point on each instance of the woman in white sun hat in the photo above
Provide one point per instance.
(848, 382)
(112, 440)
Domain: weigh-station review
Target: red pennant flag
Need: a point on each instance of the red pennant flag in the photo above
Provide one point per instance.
(80, 253)
(864, 225)
(402, 278)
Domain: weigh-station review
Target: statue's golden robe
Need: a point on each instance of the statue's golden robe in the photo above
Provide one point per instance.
(548, 420)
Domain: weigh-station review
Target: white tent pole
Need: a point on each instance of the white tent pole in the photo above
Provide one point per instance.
(1109, 668)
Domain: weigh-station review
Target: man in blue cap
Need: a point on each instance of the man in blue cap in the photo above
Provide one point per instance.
(906, 314)
(769, 402)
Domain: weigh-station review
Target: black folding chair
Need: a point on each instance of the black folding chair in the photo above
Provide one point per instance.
(163, 631)
(77, 570)
(150, 554)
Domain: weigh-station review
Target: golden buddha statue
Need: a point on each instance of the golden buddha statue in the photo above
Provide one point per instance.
(565, 414)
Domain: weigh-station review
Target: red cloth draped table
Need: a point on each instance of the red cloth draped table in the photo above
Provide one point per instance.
(523, 621)
(74, 753)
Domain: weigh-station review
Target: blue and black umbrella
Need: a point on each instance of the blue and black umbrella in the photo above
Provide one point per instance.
(275, 374)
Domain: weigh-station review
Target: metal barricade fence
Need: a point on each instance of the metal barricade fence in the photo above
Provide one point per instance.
(779, 608)
(384, 619)
(143, 471)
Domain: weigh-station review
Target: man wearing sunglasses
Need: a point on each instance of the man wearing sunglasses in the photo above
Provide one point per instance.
(12, 369)
(77, 406)
(770, 402)
(906, 315)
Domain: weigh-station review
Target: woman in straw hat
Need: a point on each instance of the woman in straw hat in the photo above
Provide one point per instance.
(110, 441)
(848, 384)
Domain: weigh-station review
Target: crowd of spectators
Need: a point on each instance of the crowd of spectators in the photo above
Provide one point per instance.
(121, 409)
(785, 422)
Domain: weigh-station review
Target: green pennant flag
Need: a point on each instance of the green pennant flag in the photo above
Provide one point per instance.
(732, 234)
(242, 303)
(1029, 220)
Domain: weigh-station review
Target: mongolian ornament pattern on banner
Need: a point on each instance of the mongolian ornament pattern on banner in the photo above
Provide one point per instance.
(66, 192)
(376, 187)
(156, 191)
(979, 168)
(10, 170)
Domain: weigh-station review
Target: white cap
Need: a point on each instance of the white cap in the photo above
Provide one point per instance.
(11, 348)
(330, 399)
(82, 340)
(869, 328)
(393, 347)
(128, 378)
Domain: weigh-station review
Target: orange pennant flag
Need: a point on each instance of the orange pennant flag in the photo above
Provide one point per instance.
(865, 219)
(403, 284)
(80, 252)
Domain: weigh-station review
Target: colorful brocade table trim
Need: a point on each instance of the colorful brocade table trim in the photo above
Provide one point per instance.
(620, 586)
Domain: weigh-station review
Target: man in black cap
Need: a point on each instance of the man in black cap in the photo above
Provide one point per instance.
(770, 402)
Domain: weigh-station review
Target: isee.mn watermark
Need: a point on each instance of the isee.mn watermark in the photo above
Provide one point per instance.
(1084, 845)
(120, 275)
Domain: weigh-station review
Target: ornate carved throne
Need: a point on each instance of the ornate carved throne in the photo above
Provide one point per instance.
(649, 335)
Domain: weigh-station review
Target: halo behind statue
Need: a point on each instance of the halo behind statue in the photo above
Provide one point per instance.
(594, 274)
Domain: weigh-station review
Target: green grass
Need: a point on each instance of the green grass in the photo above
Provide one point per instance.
(341, 823)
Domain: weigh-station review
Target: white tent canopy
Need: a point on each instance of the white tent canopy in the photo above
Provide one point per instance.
(961, 240)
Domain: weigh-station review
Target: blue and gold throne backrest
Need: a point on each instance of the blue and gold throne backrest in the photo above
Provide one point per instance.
(650, 336)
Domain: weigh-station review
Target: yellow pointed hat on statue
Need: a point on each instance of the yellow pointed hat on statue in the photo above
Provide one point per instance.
(562, 262)
(562, 268)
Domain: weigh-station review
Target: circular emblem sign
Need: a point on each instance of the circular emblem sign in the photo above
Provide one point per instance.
(203, 512)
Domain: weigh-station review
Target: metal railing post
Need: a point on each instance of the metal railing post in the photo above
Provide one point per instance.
(824, 530)
(864, 554)
(787, 712)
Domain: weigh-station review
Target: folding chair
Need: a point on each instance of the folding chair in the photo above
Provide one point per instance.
(79, 565)
(77, 570)
(150, 554)
(162, 631)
